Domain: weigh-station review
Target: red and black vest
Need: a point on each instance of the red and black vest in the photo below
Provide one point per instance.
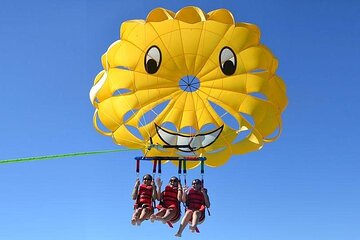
(170, 196)
(144, 195)
(195, 200)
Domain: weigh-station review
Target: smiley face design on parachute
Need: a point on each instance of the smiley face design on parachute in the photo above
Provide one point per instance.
(195, 79)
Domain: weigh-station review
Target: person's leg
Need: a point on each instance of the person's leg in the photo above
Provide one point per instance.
(184, 222)
(195, 220)
(145, 214)
(158, 215)
(169, 214)
(135, 216)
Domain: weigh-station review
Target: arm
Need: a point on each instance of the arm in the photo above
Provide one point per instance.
(154, 194)
(135, 190)
(206, 197)
(158, 193)
(184, 194)
(179, 193)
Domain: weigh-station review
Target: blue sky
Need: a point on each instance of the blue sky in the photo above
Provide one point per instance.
(303, 186)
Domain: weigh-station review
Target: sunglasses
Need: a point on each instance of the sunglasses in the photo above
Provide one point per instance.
(196, 183)
(147, 179)
(173, 180)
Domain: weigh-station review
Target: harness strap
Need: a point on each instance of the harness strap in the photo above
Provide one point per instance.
(137, 167)
(154, 167)
(202, 172)
(170, 224)
(184, 170)
(159, 167)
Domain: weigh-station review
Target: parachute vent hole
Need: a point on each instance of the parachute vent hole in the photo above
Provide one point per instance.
(188, 130)
(121, 91)
(134, 131)
(227, 117)
(169, 126)
(129, 115)
(100, 125)
(217, 150)
(259, 70)
(208, 128)
(274, 134)
(241, 136)
(123, 68)
(189, 83)
(152, 114)
(258, 95)
(248, 118)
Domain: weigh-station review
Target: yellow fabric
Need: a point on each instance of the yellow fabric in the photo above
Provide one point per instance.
(190, 42)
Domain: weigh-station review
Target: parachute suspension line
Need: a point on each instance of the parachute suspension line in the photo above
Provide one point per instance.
(202, 172)
(143, 117)
(118, 124)
(66, 155)
(182, 166)
(138, 162)
(154, 168)
(179, 169)
(184, 170)
(156, 165)
(137, 168)
(159, 168)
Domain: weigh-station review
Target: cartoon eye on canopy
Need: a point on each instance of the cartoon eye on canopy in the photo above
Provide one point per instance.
(189, 78)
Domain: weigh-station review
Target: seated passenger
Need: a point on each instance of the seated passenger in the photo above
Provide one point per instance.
(196, 199)
(169, 206)
(144, 194)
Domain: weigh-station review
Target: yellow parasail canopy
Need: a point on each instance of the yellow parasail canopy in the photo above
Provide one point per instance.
(189, 78)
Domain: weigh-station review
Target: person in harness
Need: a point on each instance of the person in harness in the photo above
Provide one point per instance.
(144, 195)
(169, 206)
(196, 200)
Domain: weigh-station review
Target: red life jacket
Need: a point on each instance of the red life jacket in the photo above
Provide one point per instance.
(170, 196)
(195, 200)
(144, 195)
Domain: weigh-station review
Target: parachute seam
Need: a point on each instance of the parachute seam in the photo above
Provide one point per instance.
(182, 45)
(213, 51)
(165, 45)
(198, 47)
(172, 103)
(146, 105)
(213, 118)
(137, 63)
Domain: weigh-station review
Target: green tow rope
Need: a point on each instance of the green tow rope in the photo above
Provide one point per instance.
(27, 159)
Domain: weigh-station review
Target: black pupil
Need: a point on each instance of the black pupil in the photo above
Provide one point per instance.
(151, 66)
(228, 68)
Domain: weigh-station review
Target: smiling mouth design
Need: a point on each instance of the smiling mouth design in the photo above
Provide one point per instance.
(187, 142)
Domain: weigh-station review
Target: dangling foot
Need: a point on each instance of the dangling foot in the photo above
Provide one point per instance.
(178, 235)
(152, 218)
(133, 221)
(192, 228)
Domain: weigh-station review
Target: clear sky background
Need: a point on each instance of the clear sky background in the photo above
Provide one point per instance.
(305, 186)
